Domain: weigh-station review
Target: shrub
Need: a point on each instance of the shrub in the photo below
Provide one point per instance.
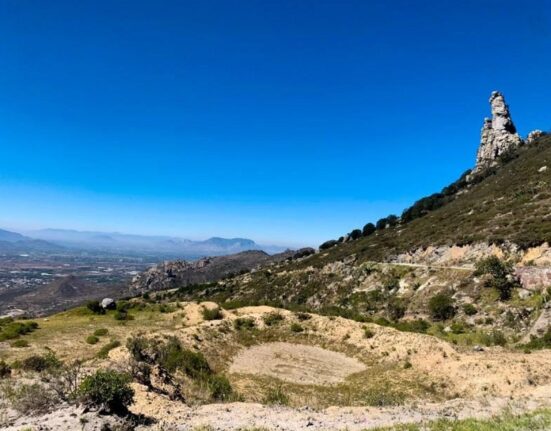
(441, 307)
(122, 315)
(355, 234)
(212, 313)
(328, 244)
(295, 327)
(469, 309)
(276, 396)
(104, 351)
(20, 343)
(368, 229)
(107, 390)
(29, 398)
(219, 387)
(243, 323)
(303, 316)
(368, 333)
(396, 309)
(10, 329)
(5, 369)
(501, 275)
(41, 363)
(272, 319)
(101, 332)
(92, 339)
(95, 307)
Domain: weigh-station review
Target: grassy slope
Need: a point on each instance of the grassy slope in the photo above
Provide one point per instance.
(513, 204)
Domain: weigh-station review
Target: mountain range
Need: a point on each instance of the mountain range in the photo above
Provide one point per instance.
(55, 240)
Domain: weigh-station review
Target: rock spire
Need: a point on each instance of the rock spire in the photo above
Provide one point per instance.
(498, 135)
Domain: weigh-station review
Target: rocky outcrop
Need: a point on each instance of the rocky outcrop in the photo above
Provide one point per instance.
(534, 135)
(181, 273)
(498, 135)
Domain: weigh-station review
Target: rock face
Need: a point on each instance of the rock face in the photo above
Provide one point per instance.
(499, 134)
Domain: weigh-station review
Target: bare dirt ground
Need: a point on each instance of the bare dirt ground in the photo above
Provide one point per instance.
(296, 363)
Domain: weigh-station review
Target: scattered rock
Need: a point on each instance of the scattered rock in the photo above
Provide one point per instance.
(542, 169)
(108, 303)
(478, 348)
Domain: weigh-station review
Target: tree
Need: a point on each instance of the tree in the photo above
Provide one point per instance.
(107, 390)
(441, 307)
(368, 229)
(328, 244)
(500, 274)
(355, 234)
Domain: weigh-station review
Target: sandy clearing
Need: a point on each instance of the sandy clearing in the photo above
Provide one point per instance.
(296, 363)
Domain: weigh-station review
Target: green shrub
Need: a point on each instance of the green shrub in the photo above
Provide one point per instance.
(441, 307)
(303, 316)
(368, 333)
(501, 275)
(100, 332)
(41, 363)
(220, 388)
(95, 307)
(396, 309)
(469, 309)
(5, 369)
(328, 244)
(276, 396)
(295, 327)
(122, 315)
(29, 399)
(212, 313)
(92, 339)
(543, 342)
(107, 390)
(104, 351)
(20, 343)
(368, 229)
(11, 330)
(243, 323)
(272, 319)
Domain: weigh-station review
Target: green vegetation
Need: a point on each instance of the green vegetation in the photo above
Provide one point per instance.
(20, 344)
(469, 309)
(276, 396)
(95, 307)
(243, 323)
(101, 332)
(441, 307)
(212, 313)
(539, 420)
(104, 351)
(108, 390)
(92, 339)
(39, 363)
(296, 327)
(501, 275)
(10, 329)
(272, 319)
(5, 369)
(538, 343)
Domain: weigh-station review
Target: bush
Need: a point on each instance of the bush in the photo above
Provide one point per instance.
(243, 323)
(501, 275)
(469, 309)
(303, 316)
(212, 313)
(441, 307)
(20, 343)
(220, 388)
(272, 319)
(101, 332)
(5, 369)
(355, 234)
(10, 330)
(95, 307)
(368, 229)
(122, 315)
(396, 309)
(29, 398)
(41, 363)
(104, 351)
(295, 327)
(328, 244)
(107, 390)
(368, 333)
(92, 339)
(276, 396)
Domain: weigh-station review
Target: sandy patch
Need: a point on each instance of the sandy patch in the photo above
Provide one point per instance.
(296, 363)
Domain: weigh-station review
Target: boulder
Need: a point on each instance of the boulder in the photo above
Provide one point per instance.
(108, 303)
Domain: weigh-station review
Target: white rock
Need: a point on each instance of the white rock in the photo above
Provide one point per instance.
(542, 169)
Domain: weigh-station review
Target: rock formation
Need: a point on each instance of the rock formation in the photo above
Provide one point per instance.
(534, 135)
(499, 134)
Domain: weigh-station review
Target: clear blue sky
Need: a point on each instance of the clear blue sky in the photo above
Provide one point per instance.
(284, 121)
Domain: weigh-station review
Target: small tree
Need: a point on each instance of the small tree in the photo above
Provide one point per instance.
(441, 307)
(107, 390)
(500, 274)
(368, 229)
(355, 234)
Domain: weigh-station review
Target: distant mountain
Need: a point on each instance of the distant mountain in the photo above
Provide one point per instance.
(15, 243)
(144, 244)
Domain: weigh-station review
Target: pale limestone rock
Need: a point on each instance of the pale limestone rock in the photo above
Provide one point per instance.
(534, 135)
(498, 135)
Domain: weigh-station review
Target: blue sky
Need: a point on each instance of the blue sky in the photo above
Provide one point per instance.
(288, 122)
